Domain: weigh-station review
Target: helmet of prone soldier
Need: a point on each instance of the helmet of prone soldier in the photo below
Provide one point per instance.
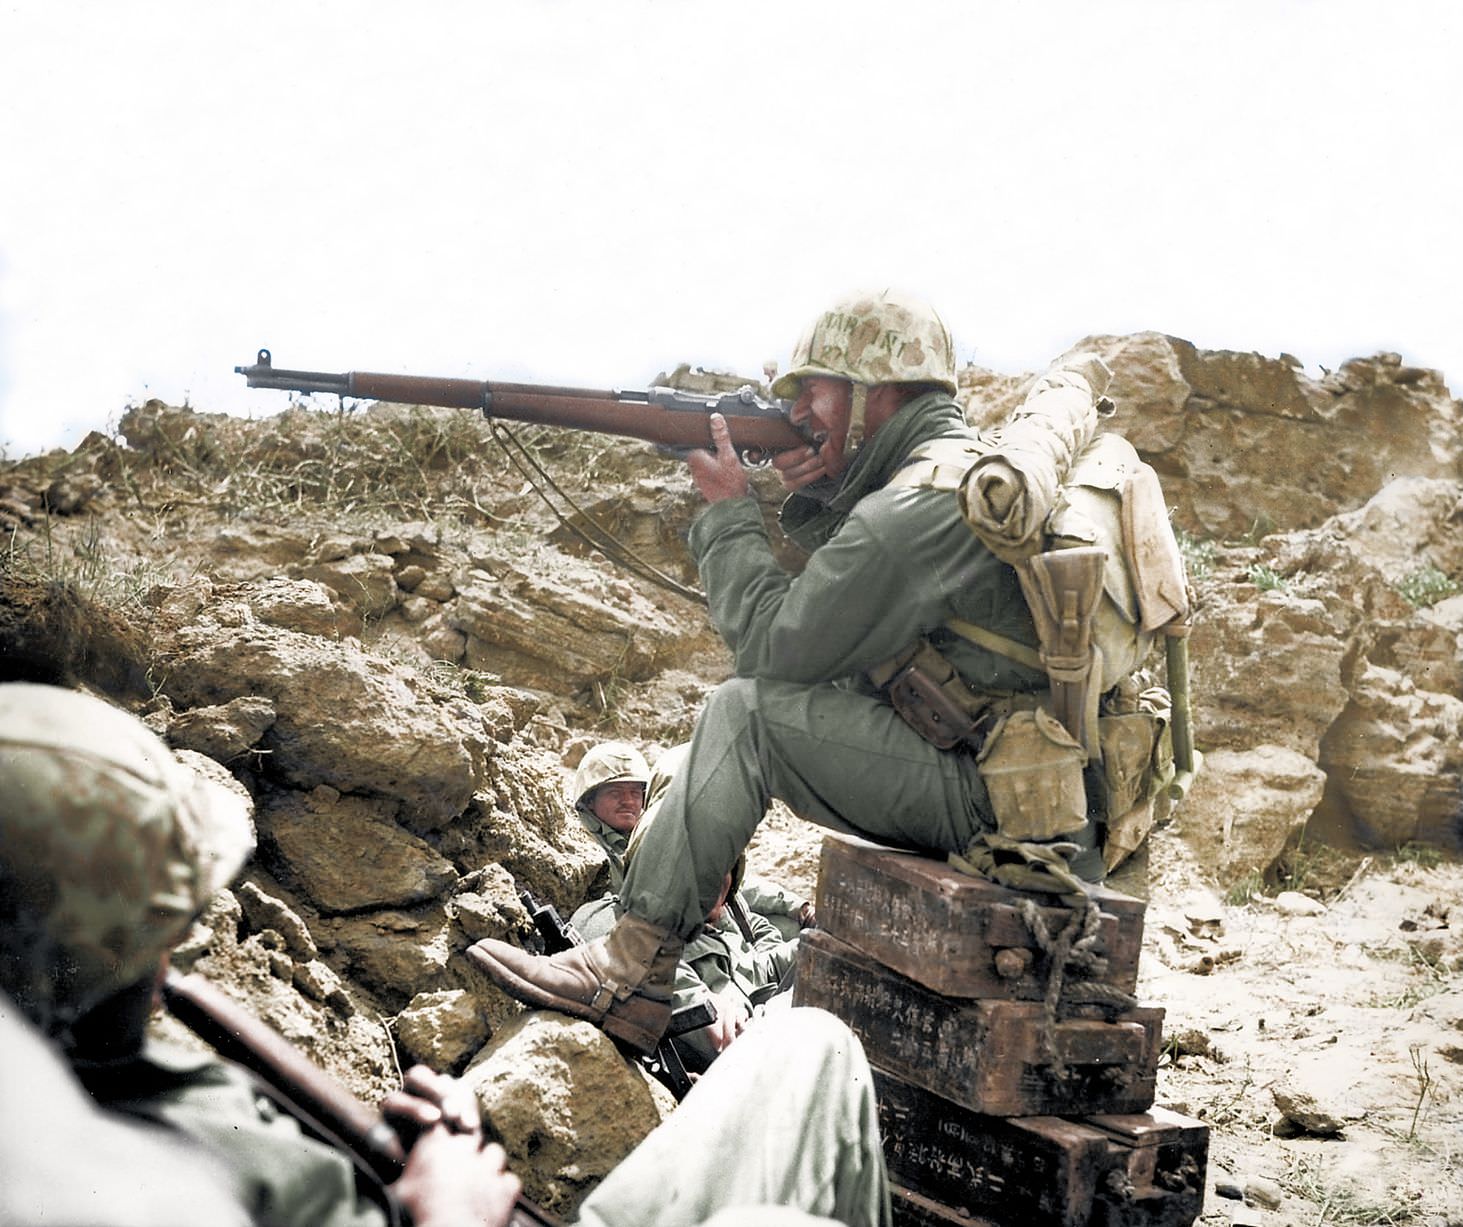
(873, 338)
(610, 762)
(109, 848)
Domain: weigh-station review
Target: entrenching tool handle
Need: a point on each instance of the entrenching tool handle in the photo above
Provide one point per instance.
(1186, 759)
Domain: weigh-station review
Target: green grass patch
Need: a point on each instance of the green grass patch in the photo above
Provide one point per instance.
(1266, 578)
(1198, 555)
(1426, 586)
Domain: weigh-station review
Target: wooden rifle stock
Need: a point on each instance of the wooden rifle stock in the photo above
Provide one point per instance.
(305, 1090)
(668, 416)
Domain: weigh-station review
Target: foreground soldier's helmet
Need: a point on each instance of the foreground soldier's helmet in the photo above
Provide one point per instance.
(109, 847)
(610, 762)
(874, 338)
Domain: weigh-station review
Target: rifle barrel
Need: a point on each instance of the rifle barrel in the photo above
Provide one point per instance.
(661, 415)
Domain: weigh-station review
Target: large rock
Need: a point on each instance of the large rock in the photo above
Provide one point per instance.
(1246, 806)
(545, 633)
(441, 1029)
(1395, 756)
(365, 583)
(346, 854)
(395, 954)
(344, 719)
(565, 1103)
(1241, 439)
(1266, 667)
(224, 731)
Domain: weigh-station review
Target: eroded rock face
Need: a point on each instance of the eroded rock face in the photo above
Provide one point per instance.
(347, 854)
(545, 634)
(543, 1082)
(1241, 440)
(1395, 756)
(1246, 807)
(344, 719)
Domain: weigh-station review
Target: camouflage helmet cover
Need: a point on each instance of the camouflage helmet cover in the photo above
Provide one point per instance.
(109, 847)
(874, 338)
(610, 762)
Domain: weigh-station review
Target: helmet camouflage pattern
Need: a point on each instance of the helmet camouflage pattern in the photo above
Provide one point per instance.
(610, 762)
(109, 847)
(873, 338)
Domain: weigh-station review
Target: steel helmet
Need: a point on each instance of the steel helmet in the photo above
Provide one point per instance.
(109, 847)
(872, 338)
(610, 762)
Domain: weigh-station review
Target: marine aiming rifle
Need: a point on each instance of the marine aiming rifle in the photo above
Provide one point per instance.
(301, 1087)
(676, 420)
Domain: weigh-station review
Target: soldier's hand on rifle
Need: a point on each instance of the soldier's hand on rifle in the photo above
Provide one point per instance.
(799, 467)
(732, 1016)
(718, 474)
(427, 1099)
(451, 1177)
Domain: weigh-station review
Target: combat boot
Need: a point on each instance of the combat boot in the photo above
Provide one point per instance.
(622, 981)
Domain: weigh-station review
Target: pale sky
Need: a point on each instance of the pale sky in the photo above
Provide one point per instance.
(591, 191)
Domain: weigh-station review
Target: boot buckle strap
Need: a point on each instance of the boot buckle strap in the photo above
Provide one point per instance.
(604, 997)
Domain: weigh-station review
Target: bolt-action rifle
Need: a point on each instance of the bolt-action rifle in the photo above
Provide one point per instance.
(664, 1064)
(300, 1086)
(676, 420)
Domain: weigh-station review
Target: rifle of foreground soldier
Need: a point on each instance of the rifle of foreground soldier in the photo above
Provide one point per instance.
(301, 1087)
(678, 421)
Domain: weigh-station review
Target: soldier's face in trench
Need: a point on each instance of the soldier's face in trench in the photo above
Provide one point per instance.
(822, 408)
(619, 805)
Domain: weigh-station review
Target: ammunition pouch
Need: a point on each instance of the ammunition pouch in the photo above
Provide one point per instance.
(932, 698)
(1137, 764)
(1032, 770)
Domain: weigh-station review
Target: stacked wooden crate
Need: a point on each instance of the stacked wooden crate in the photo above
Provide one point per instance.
(1000, 1101)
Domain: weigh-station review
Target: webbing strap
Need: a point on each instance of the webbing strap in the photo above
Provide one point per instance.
(1010, 648)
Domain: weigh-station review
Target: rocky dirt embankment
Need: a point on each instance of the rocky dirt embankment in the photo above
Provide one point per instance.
(371, 624)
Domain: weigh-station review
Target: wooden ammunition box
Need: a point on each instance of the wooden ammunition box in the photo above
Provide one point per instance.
(1144, 1170)
(913, 1210)
(1160, 1182)
(988, 1056)
(959, 935)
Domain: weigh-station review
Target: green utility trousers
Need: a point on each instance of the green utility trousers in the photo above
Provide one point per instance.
(782, 1131)
(843, 760)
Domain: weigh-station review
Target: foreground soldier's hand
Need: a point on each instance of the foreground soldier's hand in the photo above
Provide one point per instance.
(451, 1178)
(427, 1099)
(718, 474)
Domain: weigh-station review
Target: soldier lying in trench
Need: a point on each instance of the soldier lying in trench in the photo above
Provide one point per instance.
(613, 786)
